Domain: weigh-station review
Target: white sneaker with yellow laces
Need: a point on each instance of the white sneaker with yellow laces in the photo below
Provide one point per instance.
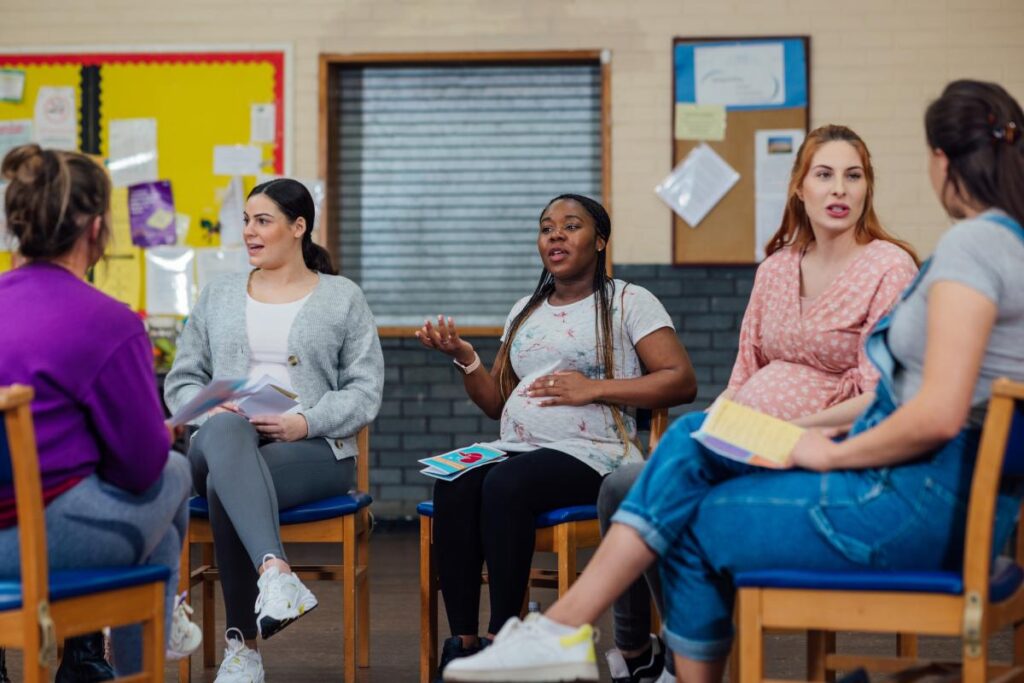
(534, 650)
(241, 664)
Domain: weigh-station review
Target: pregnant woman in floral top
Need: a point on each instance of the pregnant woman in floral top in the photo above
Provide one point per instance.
(573, 356)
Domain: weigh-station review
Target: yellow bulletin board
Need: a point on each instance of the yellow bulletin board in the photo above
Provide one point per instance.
(199, 100)
(755, 84)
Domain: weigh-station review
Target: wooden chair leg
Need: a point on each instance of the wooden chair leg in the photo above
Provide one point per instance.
(154, 643)
(428, 603)
(565, 548)
(348, 593)
(751, 640)
(184, 574)
(906, 645)
(820, 644)
(975, 669)
(363, 593)
(209, 609)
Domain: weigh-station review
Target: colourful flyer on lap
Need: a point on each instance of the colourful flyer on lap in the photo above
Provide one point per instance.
(453, 464)
(746, 435)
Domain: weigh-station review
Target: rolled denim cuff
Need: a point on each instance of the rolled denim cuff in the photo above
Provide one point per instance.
(649, 533)
(698, 650)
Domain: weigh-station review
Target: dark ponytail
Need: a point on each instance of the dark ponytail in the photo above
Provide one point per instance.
(978, 126)
(296, 202)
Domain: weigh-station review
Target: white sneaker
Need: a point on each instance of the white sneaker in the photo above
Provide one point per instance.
(531, 650)
(241, 664)
(282, 599)
(185, 636)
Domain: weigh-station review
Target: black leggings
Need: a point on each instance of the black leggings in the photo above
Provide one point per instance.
(488, 514)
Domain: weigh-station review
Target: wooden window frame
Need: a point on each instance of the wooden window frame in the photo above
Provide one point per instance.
(329, 62)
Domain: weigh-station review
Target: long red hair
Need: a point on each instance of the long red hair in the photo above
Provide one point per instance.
(795, 229)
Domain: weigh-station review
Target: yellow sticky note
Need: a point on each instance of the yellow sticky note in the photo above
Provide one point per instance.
(119, 274)
(700, 122)
(5, 261)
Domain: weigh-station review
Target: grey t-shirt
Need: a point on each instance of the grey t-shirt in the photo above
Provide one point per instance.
(988, 258)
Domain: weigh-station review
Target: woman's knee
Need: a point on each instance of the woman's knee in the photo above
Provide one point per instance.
(615, 487)
(223, 436)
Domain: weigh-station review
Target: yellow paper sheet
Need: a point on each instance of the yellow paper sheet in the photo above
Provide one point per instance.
(763, 435)
(119, 274)
(700, 122)
(5, 261)
(120, 224)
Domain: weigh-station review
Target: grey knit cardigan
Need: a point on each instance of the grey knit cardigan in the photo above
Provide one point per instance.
(334, 358)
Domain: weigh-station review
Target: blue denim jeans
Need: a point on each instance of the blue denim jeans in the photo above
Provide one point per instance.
(708, 517)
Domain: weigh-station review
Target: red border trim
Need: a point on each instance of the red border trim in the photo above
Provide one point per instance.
(276, 59)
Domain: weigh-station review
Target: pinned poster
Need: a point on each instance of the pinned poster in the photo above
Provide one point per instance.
(5, 261)
(237, 160)
(752, 74)
(697, 184)
(12, 85)
(232, 206)
(56, 118)
(700, 122)
(14, 133)
(119, 275)
(120, 222)
(151, 212)
(132, 151)
(263, 123)
(775, 153)
(211, 263)
(170, 280)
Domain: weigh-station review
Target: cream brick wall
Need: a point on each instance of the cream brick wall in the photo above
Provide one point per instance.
(875, 66)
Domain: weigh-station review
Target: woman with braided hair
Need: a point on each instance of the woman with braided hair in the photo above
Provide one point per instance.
(574, 354)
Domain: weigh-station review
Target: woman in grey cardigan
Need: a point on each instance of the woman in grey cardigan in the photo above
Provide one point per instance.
(312, 333)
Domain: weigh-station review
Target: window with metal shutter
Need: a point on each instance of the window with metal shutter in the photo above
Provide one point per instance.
(440, 173)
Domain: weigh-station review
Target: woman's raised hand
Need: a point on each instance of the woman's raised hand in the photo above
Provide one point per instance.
(444, 337)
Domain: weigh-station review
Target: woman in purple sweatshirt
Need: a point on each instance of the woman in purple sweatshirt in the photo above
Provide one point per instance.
(114, 493)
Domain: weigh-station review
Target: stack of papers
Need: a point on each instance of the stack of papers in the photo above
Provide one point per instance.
(453, 464)
(744, 434)
(258, 397)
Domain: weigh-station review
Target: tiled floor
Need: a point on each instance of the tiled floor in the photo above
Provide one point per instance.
(310, 651)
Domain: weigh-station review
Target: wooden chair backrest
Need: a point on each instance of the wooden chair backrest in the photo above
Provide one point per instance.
(1000, 451)
(21, 464)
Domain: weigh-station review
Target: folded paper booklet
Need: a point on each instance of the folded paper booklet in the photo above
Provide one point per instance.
(453, 464)
(266, 398)
(744, 434)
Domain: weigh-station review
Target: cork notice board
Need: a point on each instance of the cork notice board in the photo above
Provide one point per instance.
(726, 234)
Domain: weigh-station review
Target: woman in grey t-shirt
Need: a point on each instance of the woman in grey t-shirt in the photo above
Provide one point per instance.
(891, 496)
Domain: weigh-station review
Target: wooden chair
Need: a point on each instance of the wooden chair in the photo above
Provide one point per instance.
(343, 520)
(970, 604)
(564, 531)
(43, 607)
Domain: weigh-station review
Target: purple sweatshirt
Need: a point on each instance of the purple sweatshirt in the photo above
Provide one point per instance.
(90, 362)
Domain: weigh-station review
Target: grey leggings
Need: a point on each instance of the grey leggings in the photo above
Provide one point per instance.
(632, 610)
(96, 524)
(246, 482)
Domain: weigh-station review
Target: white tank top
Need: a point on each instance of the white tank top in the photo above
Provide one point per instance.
(268, 327)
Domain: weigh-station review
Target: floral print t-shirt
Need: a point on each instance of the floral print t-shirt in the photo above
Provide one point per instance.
(563, 338)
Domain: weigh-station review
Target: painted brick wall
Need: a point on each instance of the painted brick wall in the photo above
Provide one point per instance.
(426, 411)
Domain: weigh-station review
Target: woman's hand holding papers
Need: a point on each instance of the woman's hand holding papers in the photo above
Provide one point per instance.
(815, 451)
(287, 427)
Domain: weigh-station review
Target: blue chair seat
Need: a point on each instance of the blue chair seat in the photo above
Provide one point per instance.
(1007, 576)
(72, 583)
(327, 508)
(576, 513)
